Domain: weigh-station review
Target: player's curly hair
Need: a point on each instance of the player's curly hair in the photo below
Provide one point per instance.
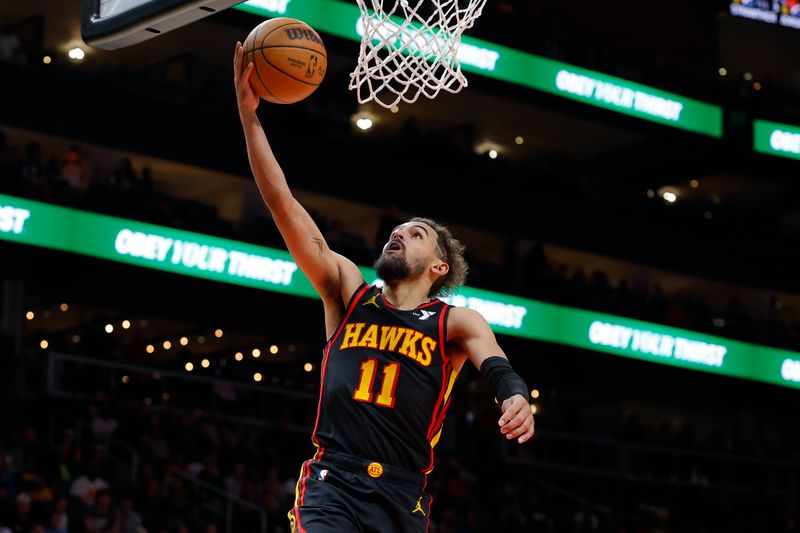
(451, 251)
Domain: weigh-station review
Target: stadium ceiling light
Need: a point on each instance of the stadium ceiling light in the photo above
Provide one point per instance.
(493, 154)
(519, 139)
(76, 54)
(669, 196)
(364, 123)
(47, 60)
(723, 71)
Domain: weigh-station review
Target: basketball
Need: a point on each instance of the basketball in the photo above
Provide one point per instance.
(289, 60)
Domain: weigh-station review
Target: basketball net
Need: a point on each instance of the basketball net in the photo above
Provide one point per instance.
(410, 48)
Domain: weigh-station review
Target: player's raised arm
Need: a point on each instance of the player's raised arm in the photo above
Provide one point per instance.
(331, 274)
(476, 339)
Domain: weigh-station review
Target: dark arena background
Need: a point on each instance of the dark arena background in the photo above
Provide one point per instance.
(625, 178)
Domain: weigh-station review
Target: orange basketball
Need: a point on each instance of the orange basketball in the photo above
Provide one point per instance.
(289, 60)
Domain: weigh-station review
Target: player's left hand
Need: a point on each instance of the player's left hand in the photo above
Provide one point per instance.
(517, 419)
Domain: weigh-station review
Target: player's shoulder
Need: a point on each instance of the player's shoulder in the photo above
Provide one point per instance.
(463, 318)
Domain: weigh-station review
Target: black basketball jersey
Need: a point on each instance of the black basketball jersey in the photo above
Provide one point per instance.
(386, 382)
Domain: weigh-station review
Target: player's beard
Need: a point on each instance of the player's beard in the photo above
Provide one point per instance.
(394, 267)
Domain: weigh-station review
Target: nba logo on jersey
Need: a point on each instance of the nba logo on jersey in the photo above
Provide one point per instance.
(322, 475)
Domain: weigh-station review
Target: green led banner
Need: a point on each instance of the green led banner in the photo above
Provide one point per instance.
(495, 61)
(213, 258)
(773, 138)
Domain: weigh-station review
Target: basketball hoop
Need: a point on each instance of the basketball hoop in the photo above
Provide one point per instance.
(410, 47)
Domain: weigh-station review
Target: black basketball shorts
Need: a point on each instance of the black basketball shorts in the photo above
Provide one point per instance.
(340, 493)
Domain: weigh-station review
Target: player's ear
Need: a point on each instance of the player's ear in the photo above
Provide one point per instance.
(441, 269)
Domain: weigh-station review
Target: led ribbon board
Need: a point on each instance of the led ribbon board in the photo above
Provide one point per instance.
(773, 138)
(227, 261)
(492, 60)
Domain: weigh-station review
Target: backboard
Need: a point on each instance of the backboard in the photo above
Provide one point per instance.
(112, 24)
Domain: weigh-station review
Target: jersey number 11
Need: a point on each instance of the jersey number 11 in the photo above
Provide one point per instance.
(364, 391)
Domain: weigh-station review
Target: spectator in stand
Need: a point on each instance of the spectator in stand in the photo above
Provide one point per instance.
(233, 483)
(153, 444)
(7, 509)
(7, 159)
(34, 177)
(54, 524)
(85, 488)
(59, 516)
(127, 520)
(153, 505)
(73, 169)
(124, 176)
(100, 517)
(63, 462)
(24, 520)
(103, 424)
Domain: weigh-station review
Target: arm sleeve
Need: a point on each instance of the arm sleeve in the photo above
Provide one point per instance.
(504, 381)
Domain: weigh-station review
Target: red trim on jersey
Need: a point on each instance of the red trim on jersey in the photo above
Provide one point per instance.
(350, 309)
(301, 497)
(420, 306)
(445, 380)
(430, 502)
(442, 414)
(427, 304)
(442, 333)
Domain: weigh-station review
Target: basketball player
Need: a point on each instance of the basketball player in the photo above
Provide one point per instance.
(389, 365)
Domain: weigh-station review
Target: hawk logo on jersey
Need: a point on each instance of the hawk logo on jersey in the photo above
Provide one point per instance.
(407, 341)
(424, 315)
(372, 301)
(418, 508)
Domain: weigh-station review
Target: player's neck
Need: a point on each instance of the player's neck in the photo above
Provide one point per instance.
(405, 296)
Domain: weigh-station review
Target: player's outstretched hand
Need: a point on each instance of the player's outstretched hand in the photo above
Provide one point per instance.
(245, 96)
(517, 419)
